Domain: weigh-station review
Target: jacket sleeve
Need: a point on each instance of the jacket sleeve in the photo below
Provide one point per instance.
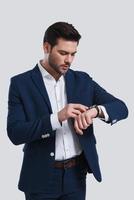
(18, 128)
(116, 108)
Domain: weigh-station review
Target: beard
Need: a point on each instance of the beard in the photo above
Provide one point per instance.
(60, 69)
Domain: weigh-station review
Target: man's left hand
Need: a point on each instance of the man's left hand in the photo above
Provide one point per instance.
(84, 120)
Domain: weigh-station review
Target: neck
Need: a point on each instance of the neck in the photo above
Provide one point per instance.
(50, 70)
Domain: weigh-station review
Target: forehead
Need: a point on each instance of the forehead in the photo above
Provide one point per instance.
(65, 45)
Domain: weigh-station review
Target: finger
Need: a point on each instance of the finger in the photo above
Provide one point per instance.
(72, 115)
(79, 122)
(77, 128)
(88, 119)
(77, 112)
(84, 122)
(80, 107)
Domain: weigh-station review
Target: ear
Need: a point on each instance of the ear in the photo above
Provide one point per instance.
(46, 47)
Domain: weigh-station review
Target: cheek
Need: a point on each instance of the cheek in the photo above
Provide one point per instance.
(52, 59)
(56, 59)
(59, 60)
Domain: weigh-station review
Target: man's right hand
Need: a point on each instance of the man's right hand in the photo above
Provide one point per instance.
(71, 111)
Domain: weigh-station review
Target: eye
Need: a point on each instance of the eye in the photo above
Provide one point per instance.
(73, 54)
(63, 53)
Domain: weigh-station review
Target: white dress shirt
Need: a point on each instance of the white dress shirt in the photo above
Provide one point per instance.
(66, 144)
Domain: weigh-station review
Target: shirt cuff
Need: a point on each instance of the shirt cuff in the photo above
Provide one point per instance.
(106, 116)
(54, 121)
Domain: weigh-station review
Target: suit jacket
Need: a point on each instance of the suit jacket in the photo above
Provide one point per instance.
(28, 123)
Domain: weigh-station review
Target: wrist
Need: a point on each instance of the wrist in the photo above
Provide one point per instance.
(95, 108)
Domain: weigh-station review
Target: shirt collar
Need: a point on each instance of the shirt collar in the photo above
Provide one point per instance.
(46, 74)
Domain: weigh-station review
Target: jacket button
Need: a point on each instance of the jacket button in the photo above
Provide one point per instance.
(52, 154)
(43, 136)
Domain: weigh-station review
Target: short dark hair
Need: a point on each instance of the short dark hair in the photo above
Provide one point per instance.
(61, 30)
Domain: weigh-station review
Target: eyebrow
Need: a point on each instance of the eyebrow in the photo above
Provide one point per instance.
(67, 51)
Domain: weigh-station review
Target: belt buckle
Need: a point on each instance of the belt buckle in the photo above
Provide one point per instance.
(65, 164)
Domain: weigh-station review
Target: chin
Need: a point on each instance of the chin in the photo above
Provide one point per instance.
(64, 71)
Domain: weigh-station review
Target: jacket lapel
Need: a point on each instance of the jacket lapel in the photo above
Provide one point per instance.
(69, 83)
(38, 81)
(70, 87)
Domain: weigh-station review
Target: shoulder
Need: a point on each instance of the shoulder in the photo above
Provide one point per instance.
(80, 75)
(22, 76)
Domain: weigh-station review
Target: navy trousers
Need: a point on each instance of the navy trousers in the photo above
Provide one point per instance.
(67, 184)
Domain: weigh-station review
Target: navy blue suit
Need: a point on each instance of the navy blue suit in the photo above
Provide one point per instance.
(29, 123)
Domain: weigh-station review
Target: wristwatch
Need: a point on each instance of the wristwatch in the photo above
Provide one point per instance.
(97, 108)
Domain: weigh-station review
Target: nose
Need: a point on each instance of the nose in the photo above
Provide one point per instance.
(68, 59)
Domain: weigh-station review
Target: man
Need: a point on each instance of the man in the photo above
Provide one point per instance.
(51, 111)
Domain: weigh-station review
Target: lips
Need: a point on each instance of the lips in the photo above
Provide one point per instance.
(65, 66)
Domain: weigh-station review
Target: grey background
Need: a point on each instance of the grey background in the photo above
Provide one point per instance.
(106, 52)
